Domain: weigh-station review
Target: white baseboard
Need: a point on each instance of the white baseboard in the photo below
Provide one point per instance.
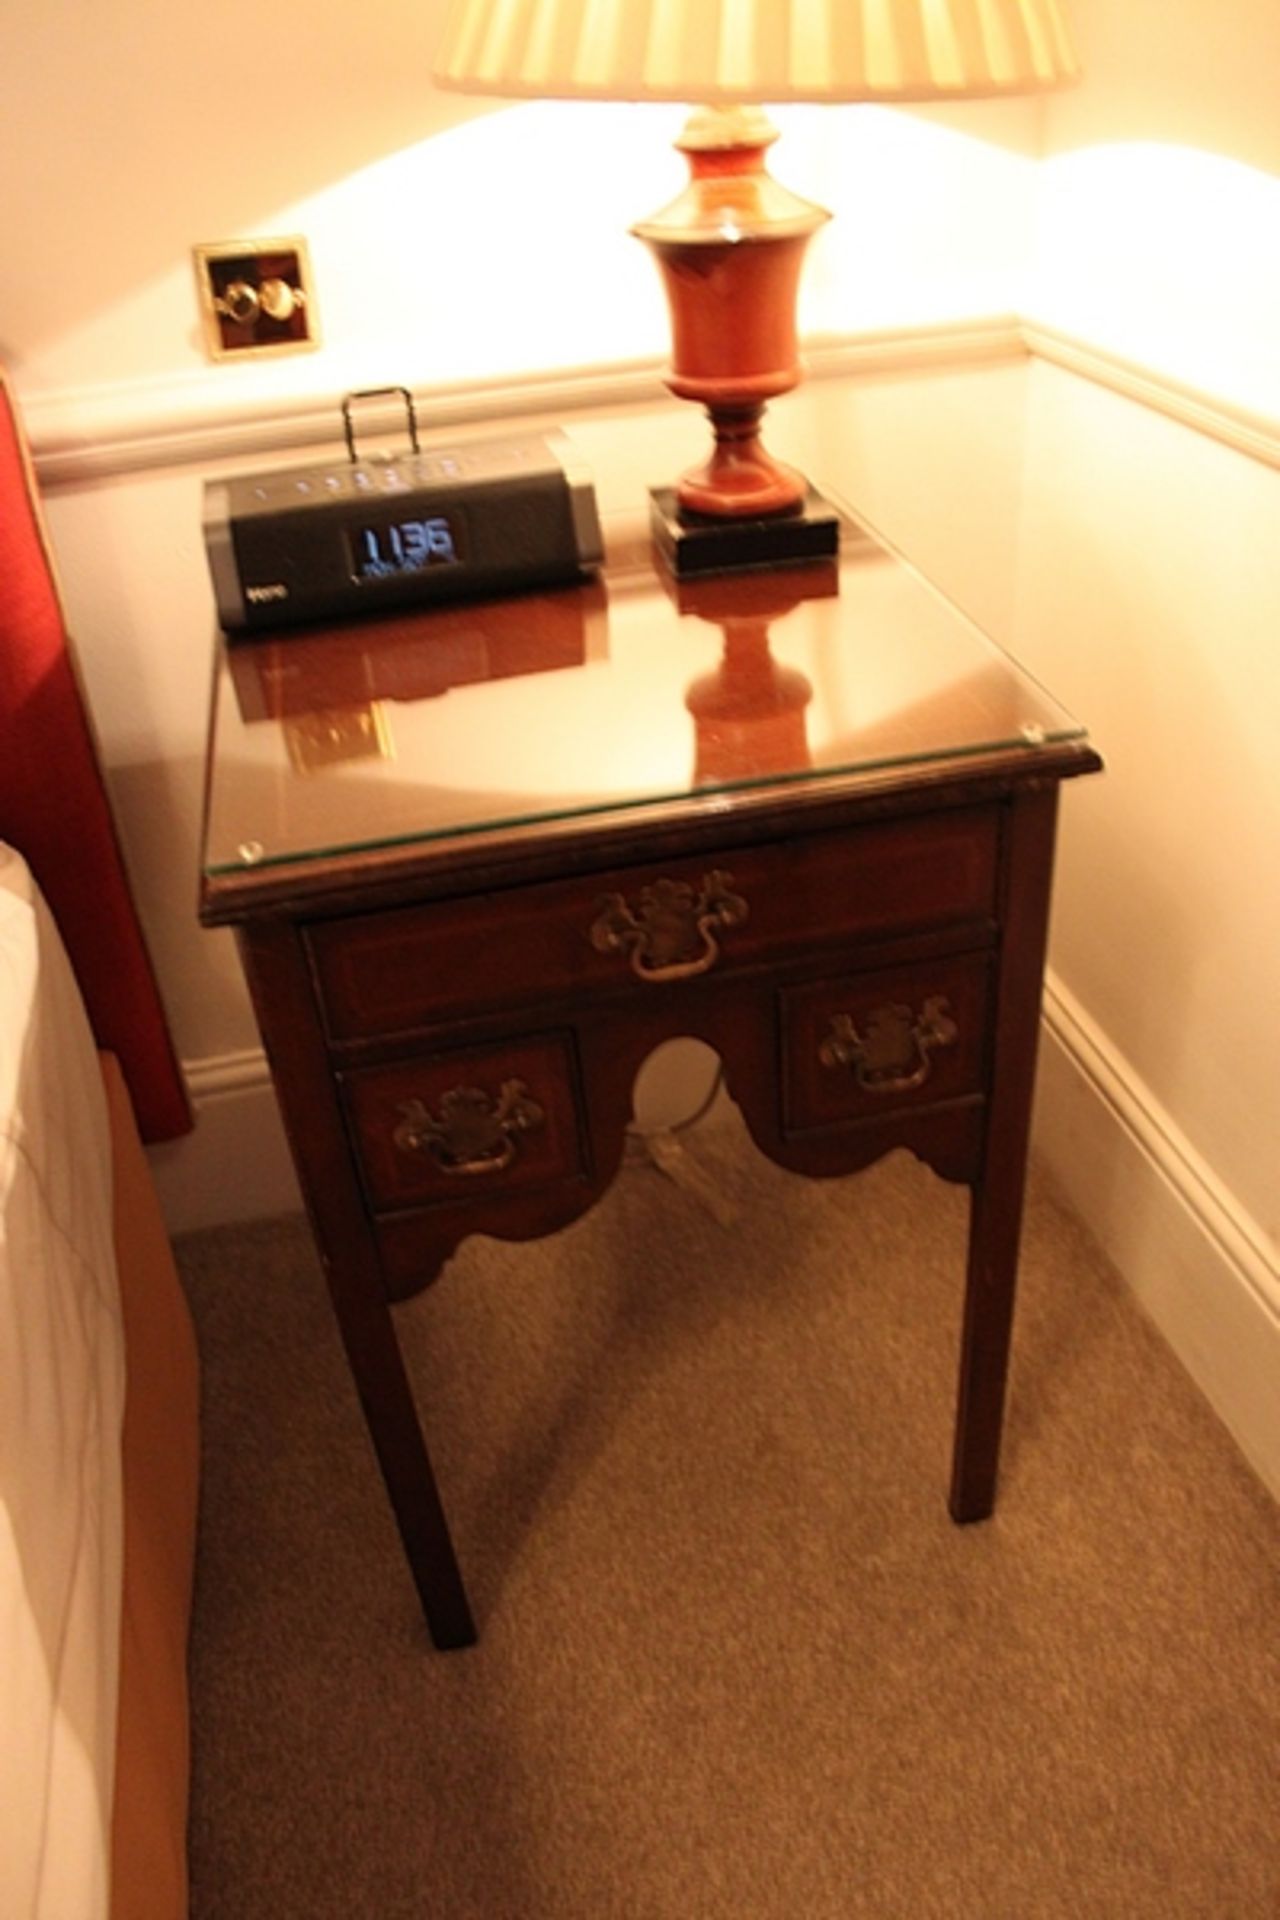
(1197, 1262)
(235, 1165)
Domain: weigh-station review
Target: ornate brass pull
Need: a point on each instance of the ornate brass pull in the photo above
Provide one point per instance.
(894, 1055)
(472, 1135)
(672, 935)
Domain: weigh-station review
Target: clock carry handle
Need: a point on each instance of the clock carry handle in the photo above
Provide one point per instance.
(377, 393)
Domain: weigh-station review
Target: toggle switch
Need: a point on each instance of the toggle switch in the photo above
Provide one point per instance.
(256, 297)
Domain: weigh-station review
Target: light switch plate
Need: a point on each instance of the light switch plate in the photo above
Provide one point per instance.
(256, 297)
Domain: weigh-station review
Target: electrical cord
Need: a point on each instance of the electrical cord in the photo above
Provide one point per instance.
(639, 1138)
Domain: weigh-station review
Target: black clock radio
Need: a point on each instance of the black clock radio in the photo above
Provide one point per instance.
(365, 535)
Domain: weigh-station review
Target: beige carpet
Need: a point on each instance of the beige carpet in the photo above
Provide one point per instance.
(736, 1663)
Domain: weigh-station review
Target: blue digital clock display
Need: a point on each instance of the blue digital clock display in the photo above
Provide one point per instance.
(404, 546)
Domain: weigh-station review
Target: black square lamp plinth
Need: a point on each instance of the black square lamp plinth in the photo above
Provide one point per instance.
(693, 544)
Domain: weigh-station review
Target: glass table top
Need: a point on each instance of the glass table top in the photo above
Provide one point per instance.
(616, 693)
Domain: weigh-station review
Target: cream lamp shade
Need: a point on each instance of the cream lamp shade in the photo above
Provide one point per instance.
(730, 246)
(755, 50)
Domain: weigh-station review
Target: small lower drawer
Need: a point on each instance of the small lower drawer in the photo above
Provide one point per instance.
(451, 1127)
(863, 1044)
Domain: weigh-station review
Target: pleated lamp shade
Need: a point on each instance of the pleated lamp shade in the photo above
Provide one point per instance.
(755, 50)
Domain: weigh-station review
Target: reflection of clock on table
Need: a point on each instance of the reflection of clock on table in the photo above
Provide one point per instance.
(365, 536)
(328, 686)
(405, 657)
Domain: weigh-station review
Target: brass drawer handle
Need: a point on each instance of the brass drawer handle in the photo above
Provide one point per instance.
(672, 935)
(895, 1054)
(472, 1135)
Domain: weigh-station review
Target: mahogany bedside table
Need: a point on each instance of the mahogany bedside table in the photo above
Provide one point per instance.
(482, 860)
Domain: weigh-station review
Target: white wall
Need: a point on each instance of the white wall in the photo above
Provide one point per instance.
(1149, 597)
(1168, 924)
(1159, 221)
(1083, 516)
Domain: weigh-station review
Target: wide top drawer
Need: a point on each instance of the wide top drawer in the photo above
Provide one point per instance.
(652, 925)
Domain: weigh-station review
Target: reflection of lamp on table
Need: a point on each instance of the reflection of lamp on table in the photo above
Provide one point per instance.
(730, 246)
(749, 712)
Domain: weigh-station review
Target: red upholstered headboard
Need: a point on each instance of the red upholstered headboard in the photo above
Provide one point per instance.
(54, 810)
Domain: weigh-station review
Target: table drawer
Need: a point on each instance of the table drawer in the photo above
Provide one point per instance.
(465, 1125)
(653, 925)
(858, 1046)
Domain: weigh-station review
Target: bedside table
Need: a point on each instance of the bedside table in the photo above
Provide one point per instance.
(481, 861)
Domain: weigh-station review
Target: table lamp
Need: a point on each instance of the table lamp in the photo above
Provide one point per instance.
(730, 246)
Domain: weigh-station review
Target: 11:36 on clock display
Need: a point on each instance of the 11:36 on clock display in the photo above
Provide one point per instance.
(405, 546)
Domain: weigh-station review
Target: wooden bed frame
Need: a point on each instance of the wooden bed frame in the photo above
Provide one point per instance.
(160, 1459)
(54, 810)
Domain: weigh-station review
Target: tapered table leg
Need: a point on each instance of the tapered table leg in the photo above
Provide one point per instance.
(984, 1348)
(995, 1224)
(280, 985)
(377, 1367)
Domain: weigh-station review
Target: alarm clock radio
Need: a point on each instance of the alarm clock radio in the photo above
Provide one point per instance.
(365, 535)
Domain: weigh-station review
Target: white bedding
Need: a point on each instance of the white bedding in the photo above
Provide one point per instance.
(61, 1405)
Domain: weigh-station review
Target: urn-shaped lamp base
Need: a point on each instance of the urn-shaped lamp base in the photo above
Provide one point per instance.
(730, 248)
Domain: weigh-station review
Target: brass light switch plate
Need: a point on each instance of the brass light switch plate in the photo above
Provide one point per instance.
(256, 297)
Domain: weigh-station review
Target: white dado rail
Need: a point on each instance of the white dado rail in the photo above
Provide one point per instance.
(87, 434)
(1256, 435)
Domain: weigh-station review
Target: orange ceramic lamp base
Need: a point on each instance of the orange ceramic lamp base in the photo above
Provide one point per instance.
(730, 248)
